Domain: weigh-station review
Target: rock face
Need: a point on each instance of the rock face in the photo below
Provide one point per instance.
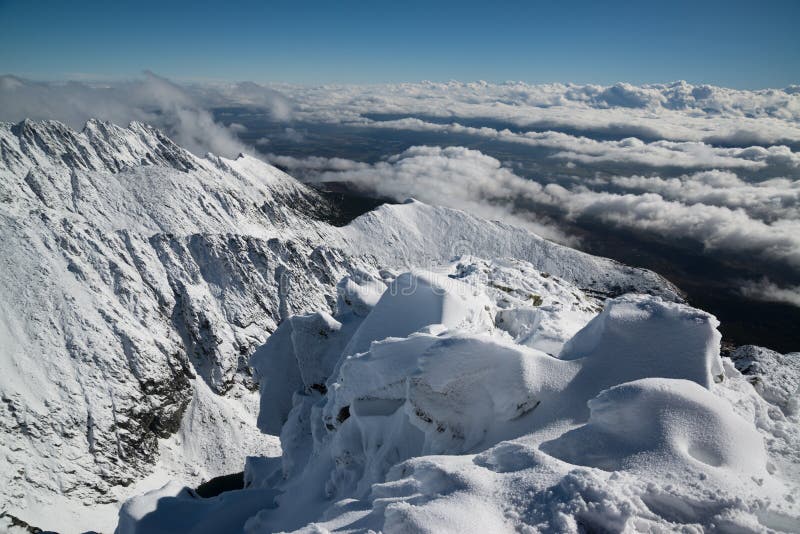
(136, 279)
(130, 268)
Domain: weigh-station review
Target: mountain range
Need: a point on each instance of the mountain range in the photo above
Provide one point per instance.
(165, 316)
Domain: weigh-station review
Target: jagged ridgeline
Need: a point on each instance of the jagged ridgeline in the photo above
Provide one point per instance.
(136, 280)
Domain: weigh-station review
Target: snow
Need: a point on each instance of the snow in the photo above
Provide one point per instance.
(416, 299)
(433, 419)
(635, 335)
(225, 513)
(424, 369)
(292, 359)
(775, 376)
(648, 423)
(135, 280)
(414, 234)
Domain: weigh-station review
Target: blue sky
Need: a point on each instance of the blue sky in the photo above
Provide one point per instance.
(736, 44)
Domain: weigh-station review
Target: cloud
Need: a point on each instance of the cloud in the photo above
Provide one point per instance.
(626, 96)
(249, 94)
(630, 151)
(717, 228)
(767, 291)
(455, 177)
(769, 200)
(294, 135)
(302, 166)
(674, 112)
(715, 208)
(181, 111)
(190, 125)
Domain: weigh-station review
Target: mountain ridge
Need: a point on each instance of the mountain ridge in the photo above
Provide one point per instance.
(136, 280)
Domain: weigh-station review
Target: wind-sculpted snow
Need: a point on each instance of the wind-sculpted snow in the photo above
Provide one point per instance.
(641, 423)
(434, 419)
(136, 279)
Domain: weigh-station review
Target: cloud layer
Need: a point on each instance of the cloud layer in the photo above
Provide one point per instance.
(715, 208)
(629, 151)
(676, 111)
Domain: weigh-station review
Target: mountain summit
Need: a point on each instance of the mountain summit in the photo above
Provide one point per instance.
(138, 280)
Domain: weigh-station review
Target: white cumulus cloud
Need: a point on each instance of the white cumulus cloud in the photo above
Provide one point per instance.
(455, 177)
(768, 291)
(715, 208)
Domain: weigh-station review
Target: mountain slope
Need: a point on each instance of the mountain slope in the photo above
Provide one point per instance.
(130, 267)
(135, 281)
(416, 234)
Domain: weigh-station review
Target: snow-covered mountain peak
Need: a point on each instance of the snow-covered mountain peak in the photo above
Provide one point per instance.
(137, 279)
(100, 146)
(423, 234)
(125, 179)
